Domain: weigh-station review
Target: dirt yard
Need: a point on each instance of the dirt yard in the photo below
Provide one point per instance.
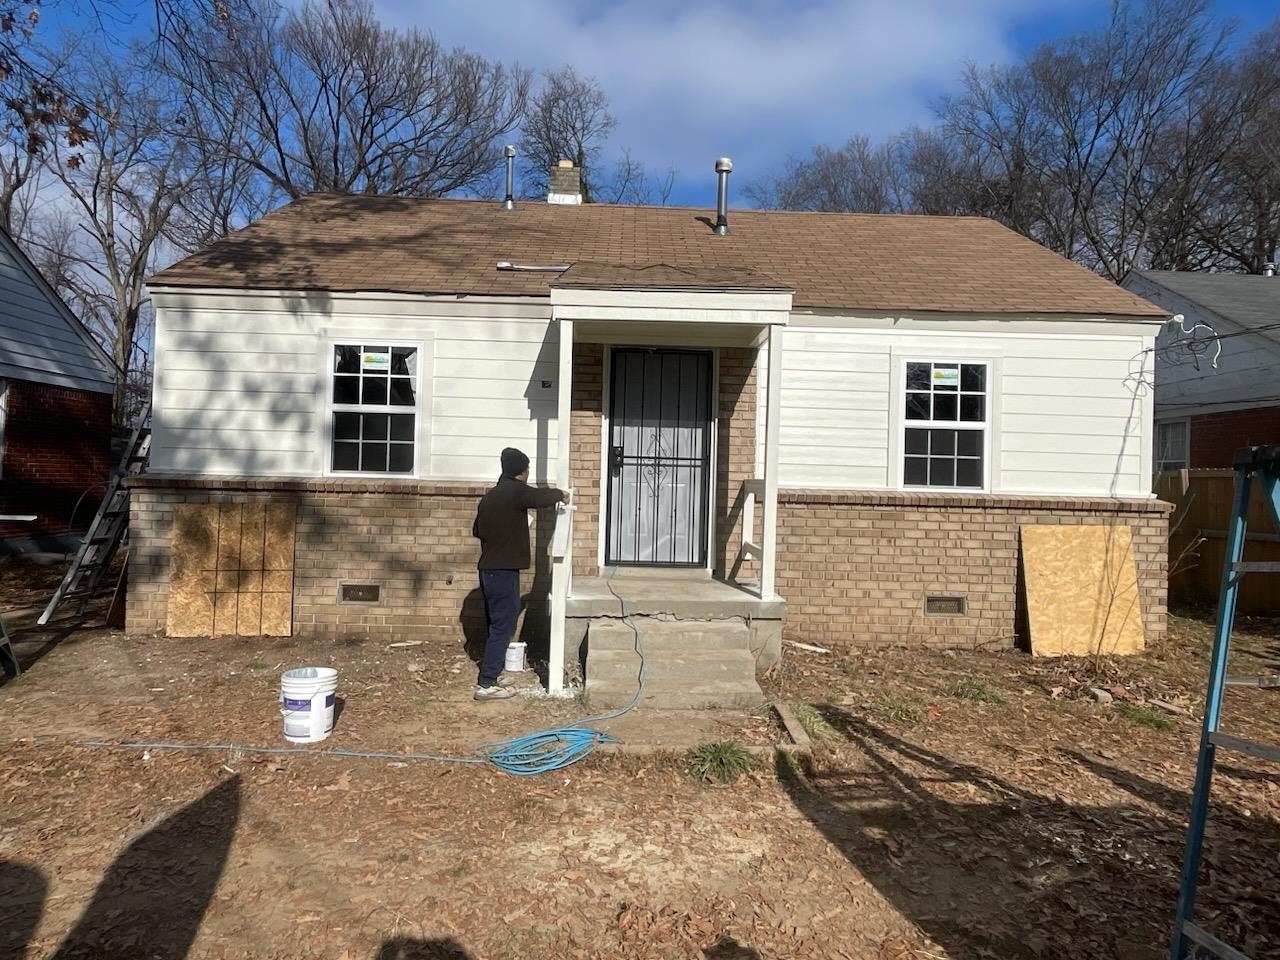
(975, 805)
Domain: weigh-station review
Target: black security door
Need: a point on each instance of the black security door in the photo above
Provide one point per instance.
(659, 457)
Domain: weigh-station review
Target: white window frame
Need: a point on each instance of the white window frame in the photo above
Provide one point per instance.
(421, 455)
(1156, 457)
(986, 426)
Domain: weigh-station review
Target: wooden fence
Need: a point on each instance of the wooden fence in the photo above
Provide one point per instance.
(1197, 538)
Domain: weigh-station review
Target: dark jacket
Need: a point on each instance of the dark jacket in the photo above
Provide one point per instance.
(502, 523)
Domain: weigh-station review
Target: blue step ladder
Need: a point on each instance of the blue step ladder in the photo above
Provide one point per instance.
(1260, 464)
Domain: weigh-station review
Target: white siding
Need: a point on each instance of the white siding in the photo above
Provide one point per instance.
(242, 380)
(39, 338)
(1070, 415)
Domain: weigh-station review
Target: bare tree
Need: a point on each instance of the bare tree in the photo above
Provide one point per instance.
(857, 177)
(631, 183)
(327, 98)
(568, 119)
(120, 188)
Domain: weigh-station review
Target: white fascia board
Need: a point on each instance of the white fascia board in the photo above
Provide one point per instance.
(699, 306)
(1020, 325)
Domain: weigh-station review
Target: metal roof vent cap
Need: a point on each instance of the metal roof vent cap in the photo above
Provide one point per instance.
(509, 202)
(1268, 269)
(724, 167)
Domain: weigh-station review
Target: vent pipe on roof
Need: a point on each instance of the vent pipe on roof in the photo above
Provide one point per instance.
(724, 167)
(509, 202)
(1268, 269)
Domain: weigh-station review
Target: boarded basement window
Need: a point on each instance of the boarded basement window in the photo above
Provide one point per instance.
(945, 606)
(360, 593)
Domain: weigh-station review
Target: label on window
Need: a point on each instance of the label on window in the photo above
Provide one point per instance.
(377, 362)
(946, 377)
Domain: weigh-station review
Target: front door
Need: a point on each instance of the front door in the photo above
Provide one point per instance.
(659, 457)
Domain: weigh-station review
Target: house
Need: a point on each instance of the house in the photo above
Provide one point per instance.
(56, 387)
(1218, 369)
(827, 425)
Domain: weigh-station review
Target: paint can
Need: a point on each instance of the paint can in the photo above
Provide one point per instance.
(516, 658)
(306, 703)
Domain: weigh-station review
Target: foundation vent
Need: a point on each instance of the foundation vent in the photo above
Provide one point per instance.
(359, 593)
(935, 606)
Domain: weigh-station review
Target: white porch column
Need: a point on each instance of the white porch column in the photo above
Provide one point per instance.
(562, 541)
(773, 407)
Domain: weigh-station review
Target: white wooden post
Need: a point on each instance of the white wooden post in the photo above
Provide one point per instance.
(773, 406)
(562, 542)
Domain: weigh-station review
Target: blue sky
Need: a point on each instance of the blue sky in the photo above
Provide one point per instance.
(758, 80)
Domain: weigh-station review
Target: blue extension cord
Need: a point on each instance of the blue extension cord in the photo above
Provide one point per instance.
(524, 756)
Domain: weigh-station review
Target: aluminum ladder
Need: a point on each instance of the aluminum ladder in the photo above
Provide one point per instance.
(84, 577)
(1263, 465)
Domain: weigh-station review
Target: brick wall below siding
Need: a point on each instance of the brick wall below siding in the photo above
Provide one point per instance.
(1215, 437)
(855, 568)
(414, 538)
(57, 449)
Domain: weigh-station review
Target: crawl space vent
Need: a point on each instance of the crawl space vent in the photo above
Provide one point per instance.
(945, 606)
(360, 592)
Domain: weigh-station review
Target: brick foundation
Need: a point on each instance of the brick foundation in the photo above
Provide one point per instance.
(855, 568)
(413, 538)
(584, 457)
(57, 449)
(735, 453)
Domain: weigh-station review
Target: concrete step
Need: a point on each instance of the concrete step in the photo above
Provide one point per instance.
(674, 636)
(610, 695)
(691, 667)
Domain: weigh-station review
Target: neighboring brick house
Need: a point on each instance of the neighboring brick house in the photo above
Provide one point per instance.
(1205, 411)
(829, 425)
(56, 387)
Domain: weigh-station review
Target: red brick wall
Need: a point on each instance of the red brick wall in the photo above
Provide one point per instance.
(57, 448)
(735, 454)
(855, 567)
(1215, 437)
(584, 457)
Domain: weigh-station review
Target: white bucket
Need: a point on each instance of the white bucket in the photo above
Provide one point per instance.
(306, 703)
(515, 658)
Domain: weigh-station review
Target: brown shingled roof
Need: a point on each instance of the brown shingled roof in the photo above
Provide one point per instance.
(853, 261)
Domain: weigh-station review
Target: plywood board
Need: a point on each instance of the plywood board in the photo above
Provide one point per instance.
(277, 614)
(280, 522)
(253, 532)
(231, 570)
(1081, 590)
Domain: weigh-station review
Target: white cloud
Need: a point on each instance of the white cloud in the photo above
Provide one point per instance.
(754, 79)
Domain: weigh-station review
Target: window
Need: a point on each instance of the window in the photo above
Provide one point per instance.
(945, 425)
(1172, 451)
(375, 408)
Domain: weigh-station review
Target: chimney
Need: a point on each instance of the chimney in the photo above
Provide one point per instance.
(565, 183)
(724, 167)
(509, 201)
(1268, 269)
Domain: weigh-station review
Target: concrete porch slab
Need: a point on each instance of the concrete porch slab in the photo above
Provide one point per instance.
(691, 598)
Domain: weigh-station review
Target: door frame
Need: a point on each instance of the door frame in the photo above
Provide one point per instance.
(710, 521)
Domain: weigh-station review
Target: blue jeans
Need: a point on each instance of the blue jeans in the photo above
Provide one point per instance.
(502, 603)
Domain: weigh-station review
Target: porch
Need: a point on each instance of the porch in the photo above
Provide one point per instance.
(671, 384)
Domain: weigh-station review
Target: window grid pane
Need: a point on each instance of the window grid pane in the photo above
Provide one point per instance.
(935, 453)
(371, 381)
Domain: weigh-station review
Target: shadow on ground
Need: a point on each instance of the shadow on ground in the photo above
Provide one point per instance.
(153, 897)
(987, 869)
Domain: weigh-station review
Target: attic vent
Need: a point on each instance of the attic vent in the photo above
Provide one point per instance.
(945, 606)
(359, 593)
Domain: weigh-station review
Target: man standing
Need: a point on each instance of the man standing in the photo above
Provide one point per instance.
(502, 527)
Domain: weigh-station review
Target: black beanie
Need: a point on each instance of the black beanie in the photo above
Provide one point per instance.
(514, 462)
